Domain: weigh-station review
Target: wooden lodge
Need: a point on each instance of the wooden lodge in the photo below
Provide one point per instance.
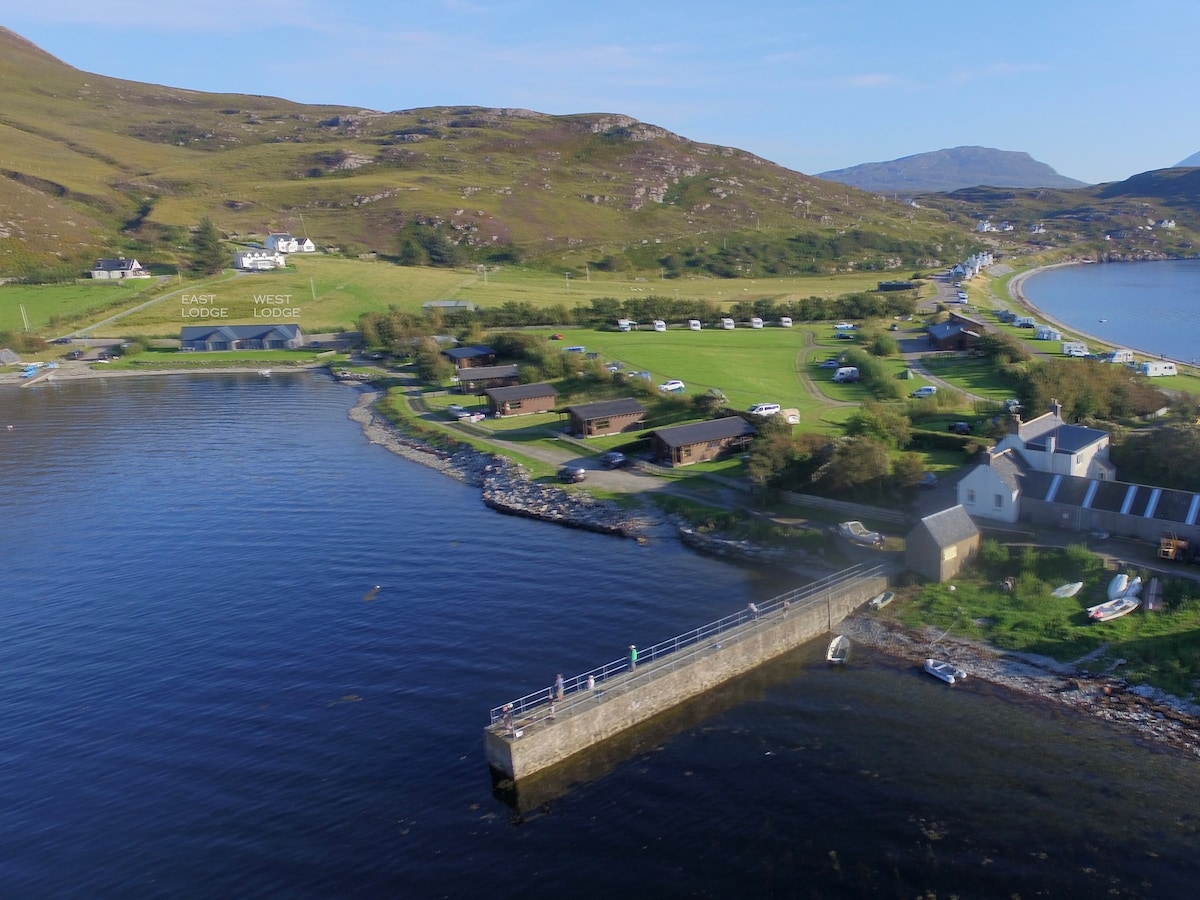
(606, 417)
(682, 445)
(521, 399)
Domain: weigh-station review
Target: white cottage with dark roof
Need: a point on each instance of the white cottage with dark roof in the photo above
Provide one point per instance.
(1047, 444)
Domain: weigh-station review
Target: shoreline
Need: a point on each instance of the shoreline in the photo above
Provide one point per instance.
(1016, 293)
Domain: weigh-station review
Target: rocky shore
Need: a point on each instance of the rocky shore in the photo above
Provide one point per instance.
(505, 485)
(1151, 713)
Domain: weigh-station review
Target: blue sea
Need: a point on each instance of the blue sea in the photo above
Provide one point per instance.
(199, 700)
(1153, 307)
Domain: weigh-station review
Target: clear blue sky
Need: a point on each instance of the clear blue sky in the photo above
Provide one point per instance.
(1098, 90)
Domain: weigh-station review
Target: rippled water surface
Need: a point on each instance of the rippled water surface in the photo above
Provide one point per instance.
(198, 701)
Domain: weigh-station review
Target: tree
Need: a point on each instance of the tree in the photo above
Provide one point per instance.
(432, 367)
(208, 256)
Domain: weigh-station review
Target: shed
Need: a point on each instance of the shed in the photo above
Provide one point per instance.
(942, 544)
(682, 445)
(477, 379)
(521, 399)
(606, 417)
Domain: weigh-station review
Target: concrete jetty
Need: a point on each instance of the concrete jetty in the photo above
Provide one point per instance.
(538, 731)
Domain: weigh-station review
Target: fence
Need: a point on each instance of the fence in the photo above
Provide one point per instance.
(665, 656)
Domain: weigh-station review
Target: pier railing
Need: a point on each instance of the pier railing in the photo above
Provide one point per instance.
(665, 656)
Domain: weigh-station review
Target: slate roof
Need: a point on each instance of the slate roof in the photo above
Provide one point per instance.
(469, 352)
(1009, 467)
(623, 407)
(1067, 438)
(237, 332)
(116, 265)
(950, 526)
(521, 392)
(482, 373)
(703, 432)
(943, 330)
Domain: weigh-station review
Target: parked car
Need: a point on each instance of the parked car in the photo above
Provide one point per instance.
(1012, 405)
(75, 354)
(61, 341)
(961, 427)
(926, 391)
(614, 459)
(572, 474)
(457, 412)
(674, 386)
(830, 364)
(764, 409)
(928, 480)
(556, 337)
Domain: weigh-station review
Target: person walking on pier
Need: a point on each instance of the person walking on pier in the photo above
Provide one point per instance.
(752, 609)
(591, 682)
(558, 687)
(632, 657)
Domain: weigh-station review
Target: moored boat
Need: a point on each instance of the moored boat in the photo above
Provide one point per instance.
(839, 650)
(947, 672)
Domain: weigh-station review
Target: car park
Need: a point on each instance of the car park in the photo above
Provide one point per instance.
(961, 427)
(614, 459)
(572, 474)
(674, 386)
(926, 391)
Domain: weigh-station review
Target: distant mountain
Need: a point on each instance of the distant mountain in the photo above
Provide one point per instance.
(949, 170)
(1193, 160)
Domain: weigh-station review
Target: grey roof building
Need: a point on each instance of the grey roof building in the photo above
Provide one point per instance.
(940, 545)
(240, 337)
(681, 445)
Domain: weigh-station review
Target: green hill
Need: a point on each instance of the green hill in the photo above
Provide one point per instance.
(96, 165)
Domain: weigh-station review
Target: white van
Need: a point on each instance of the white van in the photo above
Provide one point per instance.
(846, 374)
(660, 325)
(765, 409)
(694, 324)
(926, 391)
(727, 324)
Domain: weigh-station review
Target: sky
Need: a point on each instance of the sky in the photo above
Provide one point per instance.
(1098, 90)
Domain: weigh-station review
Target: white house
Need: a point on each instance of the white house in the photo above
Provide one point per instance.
(118, 268)
(993, 490)
(1047, 444)
(283, 242)
(259, 260)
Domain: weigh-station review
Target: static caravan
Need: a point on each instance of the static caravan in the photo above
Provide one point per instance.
(846, 375)
(727, 324)
(1047, 333)
(756, 322)
(624, 325)
(785, 322)
(1074, 348)
(660, 325)
(693, 324)
(1158, 369)
(1120, 356)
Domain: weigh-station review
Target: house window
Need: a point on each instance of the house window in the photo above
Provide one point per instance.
(713, 445)
(599, 424)
(971, 497)
(514, 404)
(998, 501)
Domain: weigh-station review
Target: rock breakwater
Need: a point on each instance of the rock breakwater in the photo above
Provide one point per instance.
(505, 485)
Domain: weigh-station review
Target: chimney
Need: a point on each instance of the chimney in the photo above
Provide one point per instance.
(1056, 408)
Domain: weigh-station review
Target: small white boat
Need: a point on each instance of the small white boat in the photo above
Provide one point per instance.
(1114, 609)
(1117, 586)
(1133, 586)
(947, 672)
(265, 373)
(1068, 590)
(879, 601)
(839, 650)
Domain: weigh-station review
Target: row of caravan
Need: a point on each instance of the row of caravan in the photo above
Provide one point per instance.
(696, 325)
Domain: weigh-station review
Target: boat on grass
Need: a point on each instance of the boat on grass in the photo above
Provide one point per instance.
(879, 601)
(1117, 586)
(1068, 590)
(947, 672)
(839, 650)
(1114, 609)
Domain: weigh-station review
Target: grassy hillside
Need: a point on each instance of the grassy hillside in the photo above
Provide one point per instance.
(125, 167)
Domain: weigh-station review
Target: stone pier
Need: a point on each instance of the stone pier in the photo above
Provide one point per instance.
(531, 733)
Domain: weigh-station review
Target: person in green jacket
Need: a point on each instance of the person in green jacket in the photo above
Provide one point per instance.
(632, 657)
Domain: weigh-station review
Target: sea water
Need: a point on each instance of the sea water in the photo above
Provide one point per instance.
(199, 698)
